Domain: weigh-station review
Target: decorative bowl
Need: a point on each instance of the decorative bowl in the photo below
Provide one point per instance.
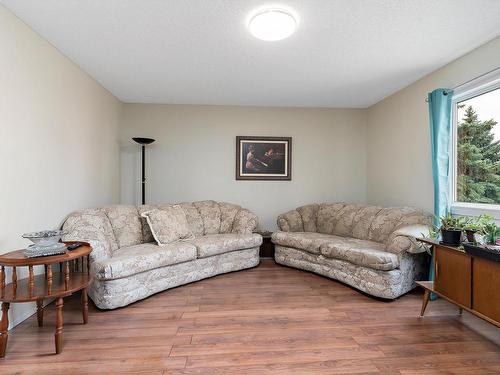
(45, 238)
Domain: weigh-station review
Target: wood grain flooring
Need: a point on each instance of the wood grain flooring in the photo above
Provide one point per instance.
(266, 320)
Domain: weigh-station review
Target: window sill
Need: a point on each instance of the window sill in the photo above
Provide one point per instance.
(476, 209)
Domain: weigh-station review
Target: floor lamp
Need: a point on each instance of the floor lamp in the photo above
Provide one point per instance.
(143, 142)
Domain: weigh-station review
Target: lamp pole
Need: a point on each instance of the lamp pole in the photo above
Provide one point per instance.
(143, 142)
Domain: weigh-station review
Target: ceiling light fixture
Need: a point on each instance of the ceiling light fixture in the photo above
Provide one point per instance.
(272, 24)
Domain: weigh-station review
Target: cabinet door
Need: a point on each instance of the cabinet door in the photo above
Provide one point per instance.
(485, 288)
(453, 275)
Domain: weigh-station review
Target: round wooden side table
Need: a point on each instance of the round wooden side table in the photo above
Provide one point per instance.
(70, 275)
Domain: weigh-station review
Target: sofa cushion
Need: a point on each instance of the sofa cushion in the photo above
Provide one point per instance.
(307, 241)
(291, 221)
(363, 220)
(327, 217)
(388, 219)
(193, 217)
(245, 222)
(168, 224)
(345, 217)
(308, 214)
(126, 224)
(360, 252)
(211, 216)
(228, 212)
(213, 244)
(132, 260)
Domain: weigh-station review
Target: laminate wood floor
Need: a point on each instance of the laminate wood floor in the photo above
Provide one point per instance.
(266, 320)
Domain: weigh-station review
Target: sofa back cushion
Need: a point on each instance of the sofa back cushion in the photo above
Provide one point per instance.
(194, 219)
(228, 213)
(168, 224)
(309, 214)
(327, 217)
(122, 225)
(338, 218)
(291, 221)
(392, 218)
(363, 222)
(345, 220)
(126, 224)
(245, 222)
(211, 216)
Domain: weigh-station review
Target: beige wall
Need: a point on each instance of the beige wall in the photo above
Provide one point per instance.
(58, 149)
(194, 156)
(399, 156)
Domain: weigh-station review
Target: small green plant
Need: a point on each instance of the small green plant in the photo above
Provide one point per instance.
(433, 233)
(491, 233)
(478, 223)
(450, 222)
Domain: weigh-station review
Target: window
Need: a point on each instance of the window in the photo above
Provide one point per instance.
(476, 148)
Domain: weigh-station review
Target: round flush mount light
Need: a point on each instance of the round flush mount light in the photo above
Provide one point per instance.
(272, 24)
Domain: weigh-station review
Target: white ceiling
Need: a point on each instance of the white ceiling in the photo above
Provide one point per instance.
(345, 53)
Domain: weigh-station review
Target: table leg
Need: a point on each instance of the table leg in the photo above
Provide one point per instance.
(39, 312)
(4, 326)
(59, 325)
(425, 301)
(85, 306)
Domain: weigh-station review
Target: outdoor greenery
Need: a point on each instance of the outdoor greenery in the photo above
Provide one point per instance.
(478, 160)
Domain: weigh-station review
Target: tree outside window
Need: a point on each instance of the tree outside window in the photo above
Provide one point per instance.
(478, 149)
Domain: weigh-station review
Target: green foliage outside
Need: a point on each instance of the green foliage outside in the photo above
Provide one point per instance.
(478, 160)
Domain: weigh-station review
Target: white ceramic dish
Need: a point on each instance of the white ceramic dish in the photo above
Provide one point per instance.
(45, 238)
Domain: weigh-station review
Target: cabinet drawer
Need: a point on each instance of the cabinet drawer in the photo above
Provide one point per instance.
(452, 275)
(485, 288)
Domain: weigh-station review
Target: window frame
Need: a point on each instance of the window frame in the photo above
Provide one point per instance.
(484, 84)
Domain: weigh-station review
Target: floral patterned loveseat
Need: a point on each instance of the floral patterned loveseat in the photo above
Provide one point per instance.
(127, 265)
(368, 247)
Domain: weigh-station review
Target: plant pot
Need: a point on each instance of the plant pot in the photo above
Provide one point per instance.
(470, 235)
(451, 237)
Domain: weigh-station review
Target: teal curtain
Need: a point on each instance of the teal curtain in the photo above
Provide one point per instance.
(441, 127)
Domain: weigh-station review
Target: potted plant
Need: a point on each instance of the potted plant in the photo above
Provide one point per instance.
(451, 229)
(477, 225)
(491, 233)
(489, 250)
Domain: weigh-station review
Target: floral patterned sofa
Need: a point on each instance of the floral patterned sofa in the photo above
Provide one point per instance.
(368, 247)
(127, 265)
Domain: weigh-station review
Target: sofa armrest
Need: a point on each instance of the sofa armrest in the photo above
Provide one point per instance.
(290, 221)
(100, 248)
(403, 239)
(245, 222)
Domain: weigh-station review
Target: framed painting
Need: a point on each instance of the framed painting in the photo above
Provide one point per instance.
(263, 158)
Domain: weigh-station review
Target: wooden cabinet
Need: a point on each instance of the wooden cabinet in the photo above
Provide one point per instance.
(452, 270)
(486, 288)
(472, 283)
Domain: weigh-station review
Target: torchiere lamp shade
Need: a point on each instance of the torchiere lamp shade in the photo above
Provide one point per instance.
(143, 142)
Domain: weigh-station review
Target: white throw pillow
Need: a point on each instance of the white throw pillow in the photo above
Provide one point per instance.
(168, 224)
